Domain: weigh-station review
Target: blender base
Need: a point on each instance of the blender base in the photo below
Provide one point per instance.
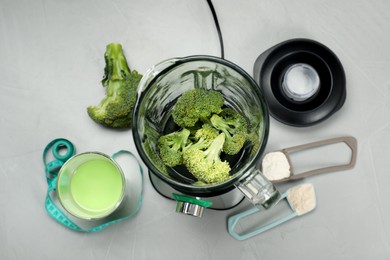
(224, 201)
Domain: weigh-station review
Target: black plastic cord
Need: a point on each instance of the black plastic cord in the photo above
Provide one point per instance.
(218, 28)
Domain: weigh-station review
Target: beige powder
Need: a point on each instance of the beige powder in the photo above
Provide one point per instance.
(302, 198)
(275, 166)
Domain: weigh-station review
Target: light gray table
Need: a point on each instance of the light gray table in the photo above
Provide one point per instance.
(51, 64)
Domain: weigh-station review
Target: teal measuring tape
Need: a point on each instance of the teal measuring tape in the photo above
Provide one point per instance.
(52, 168)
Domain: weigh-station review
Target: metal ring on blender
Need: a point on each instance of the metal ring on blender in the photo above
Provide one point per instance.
(302, 80)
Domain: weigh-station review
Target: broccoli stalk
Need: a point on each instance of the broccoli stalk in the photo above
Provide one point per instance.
(234, 126)
(206, 165)
(116, 109)
(196, 104)
(171, 147)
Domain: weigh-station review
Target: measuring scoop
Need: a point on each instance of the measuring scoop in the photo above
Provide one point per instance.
(301, 200)
(281, 169)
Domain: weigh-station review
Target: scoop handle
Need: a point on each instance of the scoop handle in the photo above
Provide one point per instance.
(348, 140)
(235, 219)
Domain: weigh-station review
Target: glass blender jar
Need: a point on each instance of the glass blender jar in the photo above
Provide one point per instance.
(158, 91)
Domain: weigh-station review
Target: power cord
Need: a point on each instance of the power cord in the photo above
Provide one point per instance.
(218, 28)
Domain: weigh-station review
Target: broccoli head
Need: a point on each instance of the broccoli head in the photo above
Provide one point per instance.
(171, 147)
(196, 104)
(150, 139)
(207, 132)
(234, 125)
(205, 164)
(254, 139)
(116, 109)
(202, 137)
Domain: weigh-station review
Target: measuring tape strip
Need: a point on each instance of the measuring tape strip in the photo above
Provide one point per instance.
(52, 168)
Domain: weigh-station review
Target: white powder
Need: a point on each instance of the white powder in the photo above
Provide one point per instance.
(275, 166)
(302, 198)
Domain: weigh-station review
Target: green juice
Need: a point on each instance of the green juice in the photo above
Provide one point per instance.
(96, 185)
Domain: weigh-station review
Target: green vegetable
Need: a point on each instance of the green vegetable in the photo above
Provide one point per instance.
(202, 138)
(205, 164)
(171, 147)
(207, 130)
(150, 139)
(207, 133)
(234, 126)
(196, 104)
(254, 139)
(116, 109)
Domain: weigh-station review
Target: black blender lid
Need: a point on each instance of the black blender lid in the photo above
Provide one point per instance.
(302, 80)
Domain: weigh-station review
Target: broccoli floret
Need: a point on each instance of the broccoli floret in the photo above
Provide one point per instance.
(254, 139)
(234, 126)
(206, 165)
(207, 132)
(150, 138)
(172, 145)
(116, 109)
(203, 137)
(196, 104)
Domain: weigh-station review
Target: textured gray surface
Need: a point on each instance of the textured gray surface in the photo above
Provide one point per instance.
(51, 62)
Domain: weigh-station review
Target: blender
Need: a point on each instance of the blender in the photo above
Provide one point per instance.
(158, 92)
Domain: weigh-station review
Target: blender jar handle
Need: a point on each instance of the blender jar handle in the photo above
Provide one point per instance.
(258, 189)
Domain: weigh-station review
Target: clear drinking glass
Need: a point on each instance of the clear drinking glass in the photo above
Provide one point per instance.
(159, 89)
(91, 185)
